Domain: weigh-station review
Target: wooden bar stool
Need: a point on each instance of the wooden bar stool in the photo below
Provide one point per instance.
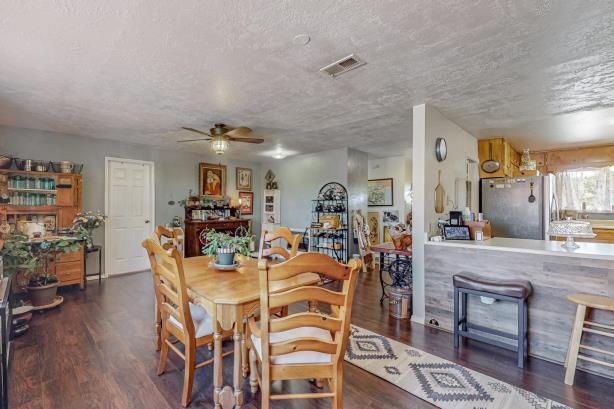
(585, 303)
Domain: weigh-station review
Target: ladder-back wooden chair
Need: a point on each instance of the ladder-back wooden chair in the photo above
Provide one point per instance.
(283, 233)
(188, 323)
(304, 345)
(167, 239)
(175, 238)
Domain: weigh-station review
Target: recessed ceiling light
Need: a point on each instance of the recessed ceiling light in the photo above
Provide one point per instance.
(301, 39)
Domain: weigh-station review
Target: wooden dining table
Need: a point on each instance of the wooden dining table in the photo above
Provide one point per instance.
(229, 297)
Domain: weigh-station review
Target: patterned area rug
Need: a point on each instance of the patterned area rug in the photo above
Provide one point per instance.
(435, 380)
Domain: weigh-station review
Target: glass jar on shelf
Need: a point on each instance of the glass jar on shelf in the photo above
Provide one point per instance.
(38, 183)
(19, 182)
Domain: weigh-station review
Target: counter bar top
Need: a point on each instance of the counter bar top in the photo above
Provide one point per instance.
(595, 251)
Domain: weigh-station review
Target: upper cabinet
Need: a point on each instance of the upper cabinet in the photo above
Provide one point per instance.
(498, 149)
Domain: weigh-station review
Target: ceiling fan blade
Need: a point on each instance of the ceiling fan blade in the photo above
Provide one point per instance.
(246, 140)
(196, 140)
(238, 132)
(195, 130)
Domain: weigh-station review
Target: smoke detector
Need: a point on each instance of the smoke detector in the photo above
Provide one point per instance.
(343, 65)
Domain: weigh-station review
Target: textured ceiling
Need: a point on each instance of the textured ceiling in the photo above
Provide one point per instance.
(137, 70)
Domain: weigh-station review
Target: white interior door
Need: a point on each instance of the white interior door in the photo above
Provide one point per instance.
(130, 209)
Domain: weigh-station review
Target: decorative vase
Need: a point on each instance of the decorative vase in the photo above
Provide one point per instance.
(43, 295)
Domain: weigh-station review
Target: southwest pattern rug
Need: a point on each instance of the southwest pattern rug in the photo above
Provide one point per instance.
(435, 380)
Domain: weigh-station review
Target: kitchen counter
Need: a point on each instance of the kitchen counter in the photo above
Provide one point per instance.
(595, 251)
(553, 271)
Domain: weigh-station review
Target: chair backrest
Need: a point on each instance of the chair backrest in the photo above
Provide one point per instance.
(170, 287)
(282, 233)
(340, 301)
(176, 237)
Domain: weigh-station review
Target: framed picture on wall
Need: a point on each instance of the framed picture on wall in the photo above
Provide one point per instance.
(244, 179)
(246, 199)
(379, 192)
(373, 222)
(212, 180)
(391, 217)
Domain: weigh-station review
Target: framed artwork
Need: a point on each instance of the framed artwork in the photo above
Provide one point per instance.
(387, 235)
(379, 192)
(247, 202)
(244, 179)
(373, 221)
(212, 180)
(391, 217)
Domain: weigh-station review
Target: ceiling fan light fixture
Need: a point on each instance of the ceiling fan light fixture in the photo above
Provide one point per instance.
(219, 145)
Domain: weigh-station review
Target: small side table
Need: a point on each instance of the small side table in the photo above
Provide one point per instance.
(387, 252)
(88, 251)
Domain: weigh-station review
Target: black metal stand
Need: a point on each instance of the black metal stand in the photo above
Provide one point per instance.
(88, 251)
(332, 200)
(461, 320)
(399, 270)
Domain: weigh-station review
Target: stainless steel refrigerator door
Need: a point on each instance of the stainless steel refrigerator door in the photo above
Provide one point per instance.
(505, 203)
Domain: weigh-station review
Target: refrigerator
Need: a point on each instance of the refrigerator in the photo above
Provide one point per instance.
(519, 207)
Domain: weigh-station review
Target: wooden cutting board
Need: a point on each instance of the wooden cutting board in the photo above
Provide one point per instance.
(439, 194)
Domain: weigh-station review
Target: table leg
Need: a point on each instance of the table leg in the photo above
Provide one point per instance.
(381, 276)
(238, 373)
(244, 356)
(217, 364)
(84, 286)
(100, 265)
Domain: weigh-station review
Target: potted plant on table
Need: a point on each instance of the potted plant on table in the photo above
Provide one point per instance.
(224, 247)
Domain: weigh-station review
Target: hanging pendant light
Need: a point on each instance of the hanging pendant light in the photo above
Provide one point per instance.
(526, 163)
(219, 145)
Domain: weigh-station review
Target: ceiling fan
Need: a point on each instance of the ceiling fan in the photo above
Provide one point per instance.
(221, 135)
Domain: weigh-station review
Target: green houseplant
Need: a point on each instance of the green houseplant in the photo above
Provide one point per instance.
(32, 260)
(224, 246)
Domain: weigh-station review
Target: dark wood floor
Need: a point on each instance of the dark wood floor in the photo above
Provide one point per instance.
(96, 351)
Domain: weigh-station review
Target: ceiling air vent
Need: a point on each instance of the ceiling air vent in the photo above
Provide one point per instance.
(343, 65)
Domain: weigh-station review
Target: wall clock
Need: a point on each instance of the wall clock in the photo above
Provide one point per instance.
(441, 149)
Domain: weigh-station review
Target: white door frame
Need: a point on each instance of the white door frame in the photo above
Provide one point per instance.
(107, 160)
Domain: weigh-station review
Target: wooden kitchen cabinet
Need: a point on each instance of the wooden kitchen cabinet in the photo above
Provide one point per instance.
(509, 159)
(66, 215)
(67, 190)
(502, 152)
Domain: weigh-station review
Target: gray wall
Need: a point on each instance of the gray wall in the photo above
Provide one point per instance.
(176, 172)
(358, 175)
(301, 177)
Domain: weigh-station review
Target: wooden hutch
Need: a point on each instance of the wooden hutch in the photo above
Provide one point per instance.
(50, 198)
(198, 221)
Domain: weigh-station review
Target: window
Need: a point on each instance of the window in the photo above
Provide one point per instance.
(593, 188)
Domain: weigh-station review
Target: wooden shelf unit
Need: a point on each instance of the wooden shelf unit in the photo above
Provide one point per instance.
(68, 190)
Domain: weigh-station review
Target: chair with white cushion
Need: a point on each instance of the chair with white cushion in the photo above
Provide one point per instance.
(188, 323)
(303, 345)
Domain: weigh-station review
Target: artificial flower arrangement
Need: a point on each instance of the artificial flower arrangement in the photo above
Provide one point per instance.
(86, 221)
(89, 220)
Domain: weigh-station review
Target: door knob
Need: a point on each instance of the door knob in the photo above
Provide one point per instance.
(146, 221)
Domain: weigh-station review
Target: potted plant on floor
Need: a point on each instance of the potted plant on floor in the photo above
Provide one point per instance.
(42, 285)
(224, 247)
(31, 261)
